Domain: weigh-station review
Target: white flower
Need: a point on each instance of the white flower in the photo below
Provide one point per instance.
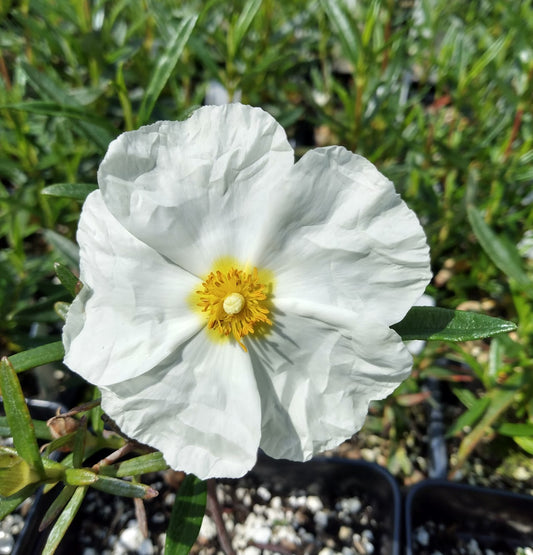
(236, 300)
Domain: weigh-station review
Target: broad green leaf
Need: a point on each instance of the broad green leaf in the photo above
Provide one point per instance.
(38, 356)
(15, 472)
(18, 417)
(164, 67)
(69, 281)
(78, 191)
(62, 110)
(57, 506)
(500, 250)
(116, 486)
(442, 324)
(244, 21)
(66, 248)
(64, 521)
(186, 518)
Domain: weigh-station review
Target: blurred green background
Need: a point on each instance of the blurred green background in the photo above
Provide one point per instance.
(436, 93)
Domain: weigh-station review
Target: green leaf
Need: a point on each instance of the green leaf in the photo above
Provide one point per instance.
(165, 65)
(526, 443)
(47, 89)
(469, 418)
(152, 462)
(500, 250)
(347, 31)
(64, 521)
(186, 518)
(41, 429)
(78, 191)
(57, 506)
(66, 248)
(9, 504)
(18, 417)
(38, 356)
(518, 429)
(61, 110)
(244, 21)
(69, 281)
(123, 488)
(441, 324)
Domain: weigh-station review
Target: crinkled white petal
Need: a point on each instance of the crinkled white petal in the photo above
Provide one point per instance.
(133, 311)
(339, 234)
(318, 370)
(200, 408)
(195, 190)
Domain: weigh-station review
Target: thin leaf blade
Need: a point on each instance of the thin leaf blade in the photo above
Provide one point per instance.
(76, 191)
(51, 352)
(504, 254)
(186, 518)
(165, 66)
(64, 521)
(18, 417)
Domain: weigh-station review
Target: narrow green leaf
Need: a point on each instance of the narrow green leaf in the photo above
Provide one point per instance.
(57, 506)
(347, 31)
(165, 65)
(469, 418)
(518, 429)
(41, 429)
(67, 248)
(526, 443)
(61, 110)
(48, 89)
(64, 521)
(490, 53)
(69, 281)
(500, 250)
(244, 21)
(80, 477)
(441, 324)
(123, 488)
(38, 356)
(78, 191)
(500, 400)
(152, 462)
(18, 417)
(186, 518)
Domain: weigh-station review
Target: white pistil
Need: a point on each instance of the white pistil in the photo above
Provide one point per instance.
(233, 303)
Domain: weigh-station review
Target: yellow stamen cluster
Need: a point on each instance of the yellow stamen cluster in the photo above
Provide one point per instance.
(234, 301)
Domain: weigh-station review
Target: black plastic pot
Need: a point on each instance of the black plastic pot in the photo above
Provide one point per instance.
(335, 478)
(443, 516)
(455, 514)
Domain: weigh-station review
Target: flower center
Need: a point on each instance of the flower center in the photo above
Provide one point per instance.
(235, 302)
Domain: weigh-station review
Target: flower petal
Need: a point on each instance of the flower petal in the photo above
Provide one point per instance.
(200, 408)
(320, 368)
(121, 325)
(193, 190)
(340, 235)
